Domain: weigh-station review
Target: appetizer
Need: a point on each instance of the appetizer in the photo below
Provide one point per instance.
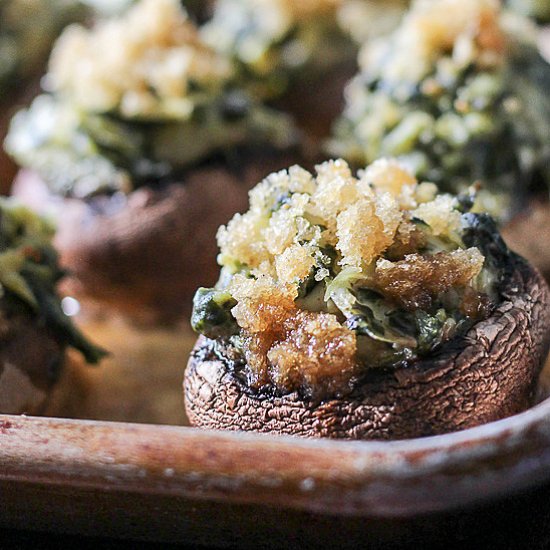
(295, 52)
(142, 148)
(458, 92)
(34, 331)
(367, 307)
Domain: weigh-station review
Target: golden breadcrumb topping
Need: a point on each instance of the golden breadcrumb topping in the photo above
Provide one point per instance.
(469, 29)
(287, 346)
(147, 63)
(358, 216)
(317, 254)
(440, 214)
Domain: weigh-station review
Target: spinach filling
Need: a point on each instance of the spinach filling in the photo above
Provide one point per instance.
(80, 154)
(388, 335)
(29, 273)
(457, 123)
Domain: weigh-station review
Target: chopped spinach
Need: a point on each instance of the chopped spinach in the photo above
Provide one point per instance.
(81, 154)
(212, 313)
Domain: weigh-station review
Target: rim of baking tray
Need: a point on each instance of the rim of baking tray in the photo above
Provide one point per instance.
(365, 478)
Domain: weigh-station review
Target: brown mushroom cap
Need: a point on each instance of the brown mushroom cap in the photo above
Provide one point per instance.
(30, 363)
(145, 254)
(486, 375)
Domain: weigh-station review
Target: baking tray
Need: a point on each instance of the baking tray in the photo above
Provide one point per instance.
(111, 468)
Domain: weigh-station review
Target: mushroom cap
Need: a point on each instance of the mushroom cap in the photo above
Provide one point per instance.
(487, 374)
(30, 363)
(144, 254)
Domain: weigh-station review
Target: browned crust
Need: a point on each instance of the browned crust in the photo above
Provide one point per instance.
(144, 255)
(487, 375)
(30, 363)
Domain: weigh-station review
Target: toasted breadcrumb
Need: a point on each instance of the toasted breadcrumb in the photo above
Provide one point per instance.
(283, 244)
(145, 63)
(286, 345)
(439, 214)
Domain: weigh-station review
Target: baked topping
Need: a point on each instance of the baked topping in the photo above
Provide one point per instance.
(366, 19)
(29, 272)
(437, 94)
(327, 276)
(136, 99)
(148, 63)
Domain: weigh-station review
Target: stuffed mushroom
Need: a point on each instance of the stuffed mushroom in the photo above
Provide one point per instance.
(367, 307)
(459, 93)
(34, 331)
(143, 146)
